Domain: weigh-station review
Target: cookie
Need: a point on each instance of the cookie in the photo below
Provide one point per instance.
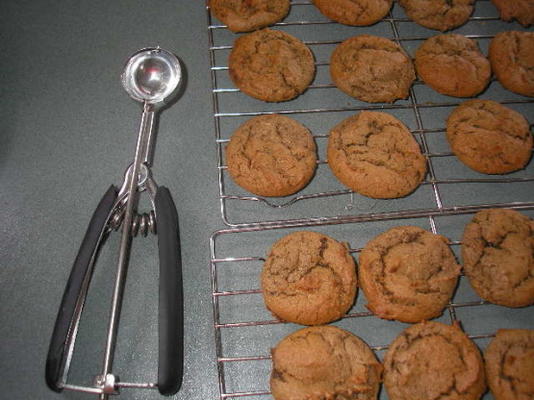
(512, 59)
(452, 64)
(372, 69)
(308, 278)
(374, 154)
(271, 155)
(324, 362)
(489, 137)
(441, 15)
(408, 274)
(271, 65)
(432, 361)
(354, 12)
(510, 364)
(498, 257)
(249, 15)
(521, 10)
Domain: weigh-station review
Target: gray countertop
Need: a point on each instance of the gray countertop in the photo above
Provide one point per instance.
(68, 131)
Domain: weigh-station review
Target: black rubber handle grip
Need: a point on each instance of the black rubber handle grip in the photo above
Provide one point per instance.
(57, 351)
(171, 312)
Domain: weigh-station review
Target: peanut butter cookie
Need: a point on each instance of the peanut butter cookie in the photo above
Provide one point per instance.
(354, 12)
(408, 274)
(431, 361)
(309, 278)
(374, 154)
(271, 155)
(510, 364)
(522, 10)
(372, 69)
(452, 64)
(441, 15)
(498, 256)
(512, 59)
(489, 137)
(324, 362)
(249, 15)
(271, 65)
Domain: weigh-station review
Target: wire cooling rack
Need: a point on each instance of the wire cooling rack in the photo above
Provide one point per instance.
(446, 201)
(449, 184)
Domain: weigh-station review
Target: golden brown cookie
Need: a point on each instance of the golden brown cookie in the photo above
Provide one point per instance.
(271, 65)
(372, 69)
(354, 12)
(408, 274)
(510, 364)
(512, 59)
(522, 10)
(498, 256)
(249, 15)
(452, 64)
(324, 362)
(441, 15)
(374, 154)
(309, 278)
(431, 361)
(489, 137)
(271, 155)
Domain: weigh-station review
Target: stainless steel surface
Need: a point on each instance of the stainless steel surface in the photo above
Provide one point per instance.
(244, 330)
(152, 75)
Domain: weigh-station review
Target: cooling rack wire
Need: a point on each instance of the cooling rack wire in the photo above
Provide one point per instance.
(244, 331)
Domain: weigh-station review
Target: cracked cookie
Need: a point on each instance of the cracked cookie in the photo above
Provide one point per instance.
(309, 278)
(512, 58)
(441, 15)
(372, 69)
(271, 65)
(521, 10)
(408, 274)
(489, 137)
(324, 362)
(452, 64)
(249, 15)
(431, 361)
(271, 155)
(510, 364)
(498, 257)
(354, 12)
(374, 154)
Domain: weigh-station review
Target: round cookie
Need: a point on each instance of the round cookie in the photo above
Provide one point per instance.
(408, 274)
(452, 64)
(249, 15)
(498, 256)
(512, 58)
(354, 12)
(271, 65)
(441, 15)
(522, 10)
(271, 155)
(489, 137)
(324, 362)
(431, 360)
(510, 364)
(374, 154)
(308, 278)
(372, 69)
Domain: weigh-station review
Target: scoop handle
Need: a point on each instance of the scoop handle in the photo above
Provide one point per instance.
(76, 291)
(171, 313)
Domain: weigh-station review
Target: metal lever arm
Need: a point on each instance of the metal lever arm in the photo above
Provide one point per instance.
(171, 313)
(75, 293)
